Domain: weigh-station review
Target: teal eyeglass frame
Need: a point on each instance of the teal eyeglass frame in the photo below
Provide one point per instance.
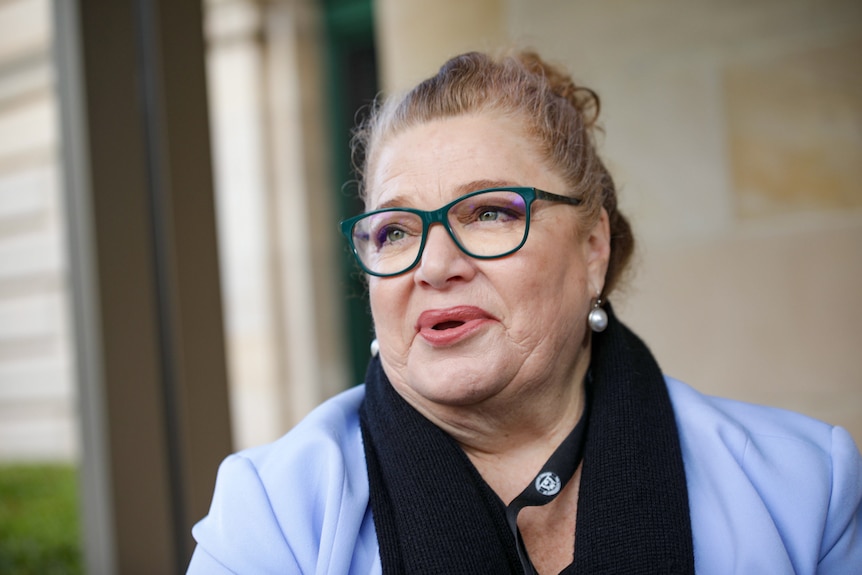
(439, 216)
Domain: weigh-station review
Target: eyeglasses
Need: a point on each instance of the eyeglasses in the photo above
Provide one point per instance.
(486, 224)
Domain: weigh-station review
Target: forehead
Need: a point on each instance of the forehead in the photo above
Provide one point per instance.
(428, 165)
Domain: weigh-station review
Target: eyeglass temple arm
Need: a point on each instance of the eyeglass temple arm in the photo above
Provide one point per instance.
(543, 195)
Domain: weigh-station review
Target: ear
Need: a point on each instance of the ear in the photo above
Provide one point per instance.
(598, 252)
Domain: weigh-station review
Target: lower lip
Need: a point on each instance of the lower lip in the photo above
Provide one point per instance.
(451, 336)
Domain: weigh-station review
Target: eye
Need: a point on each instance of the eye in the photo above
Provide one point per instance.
(389, 235)
(394, 234)
(492, 213)
(488, 216)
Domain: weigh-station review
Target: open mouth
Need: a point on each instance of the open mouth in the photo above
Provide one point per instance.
(447, 325)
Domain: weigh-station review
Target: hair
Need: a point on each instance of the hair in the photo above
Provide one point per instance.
(560, 115)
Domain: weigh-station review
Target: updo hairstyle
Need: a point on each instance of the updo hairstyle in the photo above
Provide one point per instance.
(560, 115)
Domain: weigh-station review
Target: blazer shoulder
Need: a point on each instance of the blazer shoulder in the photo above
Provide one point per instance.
(770, 489)
(328, 433)
(300, 501)
(734, 422)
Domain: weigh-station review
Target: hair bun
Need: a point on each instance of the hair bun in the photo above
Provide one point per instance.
(560, 83)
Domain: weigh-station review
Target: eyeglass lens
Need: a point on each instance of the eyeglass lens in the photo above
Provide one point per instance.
(485, 225)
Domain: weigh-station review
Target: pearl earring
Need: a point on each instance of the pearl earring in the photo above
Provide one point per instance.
(598, 318)
(375, 347)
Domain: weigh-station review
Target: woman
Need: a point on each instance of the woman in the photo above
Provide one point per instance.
(510, 423)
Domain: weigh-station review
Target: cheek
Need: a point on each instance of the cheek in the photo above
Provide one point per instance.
(558, 309)
(557, 286)
(376, 297)
(388, 300)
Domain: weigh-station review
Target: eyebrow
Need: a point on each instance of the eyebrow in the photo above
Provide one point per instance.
(460, 190)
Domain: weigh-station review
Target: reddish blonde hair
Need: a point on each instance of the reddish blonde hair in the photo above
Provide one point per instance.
(560, 115)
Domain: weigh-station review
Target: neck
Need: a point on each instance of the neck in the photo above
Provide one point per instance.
(508, 439)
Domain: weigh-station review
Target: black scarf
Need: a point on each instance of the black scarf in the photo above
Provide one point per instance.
(435, 514)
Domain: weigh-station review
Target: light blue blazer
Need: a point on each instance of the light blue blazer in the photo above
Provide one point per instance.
(771, 492)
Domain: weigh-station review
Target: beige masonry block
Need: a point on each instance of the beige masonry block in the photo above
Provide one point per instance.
(795, 130)
(416, 36)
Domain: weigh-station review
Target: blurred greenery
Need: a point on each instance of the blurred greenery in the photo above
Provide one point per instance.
(39, 528)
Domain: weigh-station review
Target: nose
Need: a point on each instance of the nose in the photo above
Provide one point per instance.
(442, 261)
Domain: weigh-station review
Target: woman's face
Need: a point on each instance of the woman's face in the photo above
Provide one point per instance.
(459, 331)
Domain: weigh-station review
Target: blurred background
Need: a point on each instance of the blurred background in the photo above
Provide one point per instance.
(173, 285)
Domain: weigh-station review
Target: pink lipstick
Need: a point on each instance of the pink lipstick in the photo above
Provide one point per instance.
(444, 327)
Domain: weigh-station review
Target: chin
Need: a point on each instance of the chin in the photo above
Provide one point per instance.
(453, 382)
